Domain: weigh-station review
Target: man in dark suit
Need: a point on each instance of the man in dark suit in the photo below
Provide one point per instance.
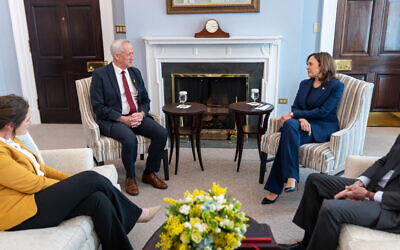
(372, 200)
(121, 104)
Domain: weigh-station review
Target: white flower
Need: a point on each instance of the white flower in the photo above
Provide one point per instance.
(184, 209)
(187, 225)
(212, 207)
(220, 198)
(217, 230)
(219, 206)
(200, 226)
(188, 199)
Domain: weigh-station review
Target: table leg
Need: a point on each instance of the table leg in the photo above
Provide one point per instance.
(177, 143)
(198, 130)
(171, 136)
(192, 143)
(239, 142)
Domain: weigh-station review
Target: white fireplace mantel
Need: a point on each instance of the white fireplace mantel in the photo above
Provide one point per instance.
(263, 49)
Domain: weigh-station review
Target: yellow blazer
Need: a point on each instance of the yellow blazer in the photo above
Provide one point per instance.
(18, 184)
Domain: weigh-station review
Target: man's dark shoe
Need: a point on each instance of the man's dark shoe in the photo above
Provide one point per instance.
(295, 246)
(131, 187)
(154, 181)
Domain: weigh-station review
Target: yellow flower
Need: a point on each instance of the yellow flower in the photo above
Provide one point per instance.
(196, 236)
(195, 211)
(187, 193)
(231, 240)
(170, 201)
(165, 243)
(185, 237)
(174, 226)
(217, 190)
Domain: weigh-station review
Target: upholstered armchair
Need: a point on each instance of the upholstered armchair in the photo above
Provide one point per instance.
(329, 157)
(354, 237)
(106, 148)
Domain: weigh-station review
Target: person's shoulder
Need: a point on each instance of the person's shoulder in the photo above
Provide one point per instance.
(102, 69)
(335, 81)
(134, 69)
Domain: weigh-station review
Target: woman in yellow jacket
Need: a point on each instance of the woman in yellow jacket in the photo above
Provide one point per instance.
(33, 195)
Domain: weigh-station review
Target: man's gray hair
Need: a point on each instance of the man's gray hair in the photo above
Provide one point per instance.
(116, 46)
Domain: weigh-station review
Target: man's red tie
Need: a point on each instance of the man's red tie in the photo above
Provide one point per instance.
(128, 94)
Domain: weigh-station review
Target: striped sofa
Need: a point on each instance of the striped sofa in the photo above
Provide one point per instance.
(329, 157)
(106, 148)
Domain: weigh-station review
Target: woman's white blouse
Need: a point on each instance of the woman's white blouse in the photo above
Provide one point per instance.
(15, 145)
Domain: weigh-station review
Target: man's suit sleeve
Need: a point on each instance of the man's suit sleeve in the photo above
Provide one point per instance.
(324, 110)
(97, 97)
(144, 97)
(370, 172)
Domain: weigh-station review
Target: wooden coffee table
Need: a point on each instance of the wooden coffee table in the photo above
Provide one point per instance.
(255, 229)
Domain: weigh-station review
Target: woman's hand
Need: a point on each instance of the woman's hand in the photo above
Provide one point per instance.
(305, 126)
(284, 118)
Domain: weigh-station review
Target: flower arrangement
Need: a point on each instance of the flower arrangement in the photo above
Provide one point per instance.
(203, 220)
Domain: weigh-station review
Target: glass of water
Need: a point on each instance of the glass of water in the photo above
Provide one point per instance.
(254, 94)
(182, 99)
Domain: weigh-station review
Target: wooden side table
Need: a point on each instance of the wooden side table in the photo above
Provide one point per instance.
(196, 111)
(241, 109)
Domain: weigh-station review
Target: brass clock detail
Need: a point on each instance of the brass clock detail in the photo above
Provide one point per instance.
(211, 29)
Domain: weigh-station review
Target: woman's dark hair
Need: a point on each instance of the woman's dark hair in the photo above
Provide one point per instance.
(13, 109)
(326, 64)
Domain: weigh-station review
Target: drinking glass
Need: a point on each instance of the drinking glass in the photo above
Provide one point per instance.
(182, 99)
(254, 95)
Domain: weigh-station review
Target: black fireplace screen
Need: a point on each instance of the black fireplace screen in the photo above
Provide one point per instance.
(216, 91)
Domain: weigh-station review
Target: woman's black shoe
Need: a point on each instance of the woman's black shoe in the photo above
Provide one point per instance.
(267, 201)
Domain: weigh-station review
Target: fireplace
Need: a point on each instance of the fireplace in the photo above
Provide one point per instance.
(211, 56)
(215, 85)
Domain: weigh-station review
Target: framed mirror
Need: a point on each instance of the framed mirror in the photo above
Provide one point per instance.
(212, 6)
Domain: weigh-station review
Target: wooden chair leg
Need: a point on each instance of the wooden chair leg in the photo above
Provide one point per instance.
(165, 164)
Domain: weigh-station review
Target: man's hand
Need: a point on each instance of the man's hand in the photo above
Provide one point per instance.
(284, 118)
(305, 125)
(356, 192)
(125, 120)
(136, 119)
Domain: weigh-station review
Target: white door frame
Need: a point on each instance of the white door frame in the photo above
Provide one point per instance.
(328, 22)
(24, 58)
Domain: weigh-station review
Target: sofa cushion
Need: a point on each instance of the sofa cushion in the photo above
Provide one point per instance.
(354, 237)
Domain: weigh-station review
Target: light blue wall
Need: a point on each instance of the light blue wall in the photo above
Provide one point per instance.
(310, 42)
(284, 17)
(9, 75)
(293, 19)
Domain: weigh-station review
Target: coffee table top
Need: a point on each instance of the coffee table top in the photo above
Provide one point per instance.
(255, 229)
(195, 108)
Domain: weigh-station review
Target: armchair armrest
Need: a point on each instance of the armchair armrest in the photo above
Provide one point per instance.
(158, 119)
(70, 161)
(274, 125)
(355, 165)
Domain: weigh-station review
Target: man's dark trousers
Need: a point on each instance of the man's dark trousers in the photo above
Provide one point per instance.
(127, 136)
(322, 220)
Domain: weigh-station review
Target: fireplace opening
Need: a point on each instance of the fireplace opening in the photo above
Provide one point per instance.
(216, 91)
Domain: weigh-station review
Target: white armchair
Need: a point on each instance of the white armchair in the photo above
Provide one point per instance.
(75, 233)
(354, 237)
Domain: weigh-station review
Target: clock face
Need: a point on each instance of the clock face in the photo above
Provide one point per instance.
(212, 26)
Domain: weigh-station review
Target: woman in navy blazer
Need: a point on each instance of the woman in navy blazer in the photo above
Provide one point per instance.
(313, 119)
